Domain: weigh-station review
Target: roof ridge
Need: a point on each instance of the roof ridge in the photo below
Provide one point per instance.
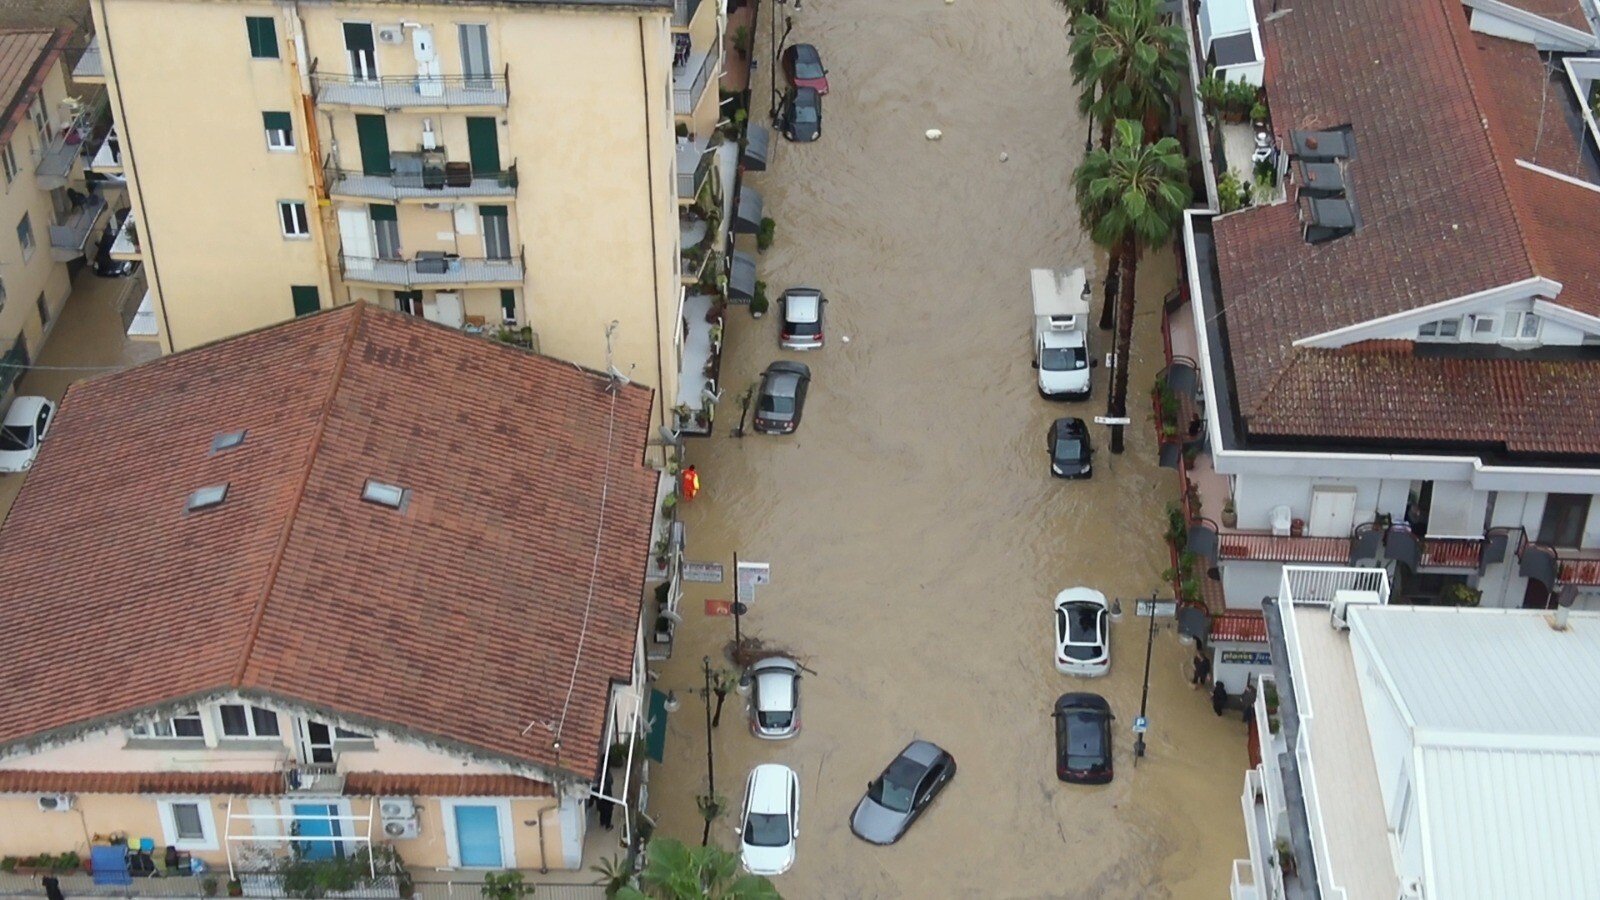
(293, 513)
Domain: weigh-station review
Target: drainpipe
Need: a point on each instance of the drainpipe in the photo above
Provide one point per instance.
(310, 144)
(650, 191)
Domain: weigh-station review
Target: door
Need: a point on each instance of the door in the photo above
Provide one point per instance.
(483, 145)
(385, 230)
(316, 744)
(372, 131)
(1563, 520)
(317, 829)
(359, 46)
(1333, 512)
(496, 232)
(429, 84)
(478, 837)
(355, 232)
(475, 55)
(446, 309)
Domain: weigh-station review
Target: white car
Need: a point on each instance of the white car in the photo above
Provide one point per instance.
(771, 820)
(775, 698)
(26, 424)
(802, 319)
(1083, 632)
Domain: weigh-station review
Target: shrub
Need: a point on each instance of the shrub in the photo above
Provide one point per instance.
(1231, 194)
(758, 301)
(764, 237)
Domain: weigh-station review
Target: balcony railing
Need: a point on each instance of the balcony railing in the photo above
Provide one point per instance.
(1317, 585)
(90, 67)
(409, 91)
(126, 244)
(54, 158)
(68, 239)
(1243, 884)
(429, 270)
(694, 164)
(424, 186)
(689, 81)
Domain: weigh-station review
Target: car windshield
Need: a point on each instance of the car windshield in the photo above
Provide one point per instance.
(1063, 359)
(771, 718)
(807, 64)
(1085, 740)
(1069, 448)
(805, 114)
(766, 830)
(771, 403)
(896, 787)
(16, 437)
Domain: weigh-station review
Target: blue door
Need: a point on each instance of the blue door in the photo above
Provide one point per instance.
(478, 836)
(320, 828)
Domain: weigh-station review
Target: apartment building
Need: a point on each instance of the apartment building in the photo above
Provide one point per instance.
(51, 216)
(266, 611)
(1392, 355)
(502, 168)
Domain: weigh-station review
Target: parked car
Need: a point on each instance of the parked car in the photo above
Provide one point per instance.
(897, 797)
(782, 397)
(774, 698)
(1083, 632)
(26, 424)
(801, 116)
(104, 265)
(1070, 452)
(770, 823)
(802, 318)
(1083, 739)
(802, 65)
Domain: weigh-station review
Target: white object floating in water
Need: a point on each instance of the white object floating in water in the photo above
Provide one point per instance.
(933, 134)
(1004, 157)
(845, 338)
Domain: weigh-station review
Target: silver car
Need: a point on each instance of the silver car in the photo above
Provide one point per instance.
(802, 319)
(896, 798)
(774, 698)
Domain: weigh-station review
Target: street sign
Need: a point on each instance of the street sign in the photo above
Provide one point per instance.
(703, 572)
(1141, 725)
(1162, 608)
(747, 575)
(1109, 420)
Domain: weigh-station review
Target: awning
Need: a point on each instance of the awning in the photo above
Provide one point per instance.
(747, 218)
(757, 144)
(742, 278)
(655, 738)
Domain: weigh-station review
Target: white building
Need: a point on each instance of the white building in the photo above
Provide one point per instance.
(1416, 752)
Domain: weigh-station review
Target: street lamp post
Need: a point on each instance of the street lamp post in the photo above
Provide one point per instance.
(1144, 696)
(711, 761)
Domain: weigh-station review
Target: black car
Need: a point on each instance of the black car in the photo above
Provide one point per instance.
(1083, 739)
(104, 265)
(1070, 453)
(782, 397)
(801, 118)
(896, 798)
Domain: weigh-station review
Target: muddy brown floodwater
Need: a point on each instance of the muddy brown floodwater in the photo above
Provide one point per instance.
(915, 536)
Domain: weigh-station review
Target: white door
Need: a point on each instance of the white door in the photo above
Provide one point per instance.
(1333, 512)
(429, 84)
(446, 309)
(355, 232)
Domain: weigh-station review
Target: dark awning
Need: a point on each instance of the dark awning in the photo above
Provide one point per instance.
(655, 741)
(757, 143)
(747, 218)
(742, 278)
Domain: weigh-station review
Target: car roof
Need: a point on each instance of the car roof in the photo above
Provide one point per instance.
(1080, 595)
(789, 368)
(25, 410)
(802, 304)
(807, 94)
(922, 752)
(769, 788)
(774, 663)
(1082, 701)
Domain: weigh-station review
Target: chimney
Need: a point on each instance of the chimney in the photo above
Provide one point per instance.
(1567, 597)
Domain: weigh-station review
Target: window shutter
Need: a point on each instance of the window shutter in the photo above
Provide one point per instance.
(263, 34)
(277, 121)
(305, 298)
(383, 212)
(494, 212)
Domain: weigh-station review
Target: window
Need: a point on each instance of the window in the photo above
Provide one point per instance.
(41, 119)
(409, 302)
(1485, 326)
(496, 232)
(292, 219)
(345, 734)
(508, 305)
(1521, 327)
(241, 721)
(25, 237)
(305, 298)
(263, 34)
(206, 497)
(385, 230)
(1563, 520)
(187, 823)
(182, 725)
(280, 130)
(1444, 328)
(44, 310)
(8, 159)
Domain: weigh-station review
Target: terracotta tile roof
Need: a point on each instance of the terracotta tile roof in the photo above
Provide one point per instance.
(1273, 548)
(1529, 102)
(1561, 12)
(1445, 211)
(264, 784)
(1239, 625)
(26, 56)
(293, 586)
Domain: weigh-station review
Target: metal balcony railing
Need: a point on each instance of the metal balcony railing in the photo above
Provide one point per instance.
(68, 239)
(426, 186)
(54, 157)
(407, 91)
(1317, 585)
(90, 66)
(429, 270)
(689, 81)
(694, 164)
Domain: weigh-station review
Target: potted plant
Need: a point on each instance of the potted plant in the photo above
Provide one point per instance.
(507, 885)
(1286, 860)
(68, 862)
(235, 889)
(8, 864)
(1230, 516)
(703, 416)
(758, 301)
(660, 552)
(1459, 594)
(668, 504)
(209, 885)
(1258, 112)
(765, 235)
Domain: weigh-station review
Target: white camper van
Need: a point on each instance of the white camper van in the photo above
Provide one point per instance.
(1061, 333)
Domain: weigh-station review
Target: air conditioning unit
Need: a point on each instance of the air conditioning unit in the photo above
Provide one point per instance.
(401, 829)
(391, 34)
(1339, 609)
(55, 802)
(397, 808)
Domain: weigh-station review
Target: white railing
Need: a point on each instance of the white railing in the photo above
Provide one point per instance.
(1263, 874)
(1316, 585)
(1271, 756)
(1243, 886)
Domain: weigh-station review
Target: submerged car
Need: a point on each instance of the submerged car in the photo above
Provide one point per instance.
(1083, 632)
(770, 823)
(774, 698)
(1083, 739)
(802, 65)
(1070, 453)
(897, 797)
(25, 426)
(802, 318)
(782, 398)
(801, 118)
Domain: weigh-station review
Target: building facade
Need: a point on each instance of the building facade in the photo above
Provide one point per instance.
(499, 168)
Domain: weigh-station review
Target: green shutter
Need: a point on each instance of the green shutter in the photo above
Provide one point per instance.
(372, 132)
(494, 212)
(305, 298)
(508, 304)
(277, 121)
(263, 34)
(483, 144)
(382, 212)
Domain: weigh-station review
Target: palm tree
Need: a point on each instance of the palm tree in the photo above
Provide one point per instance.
(1077, 9)
(679, 872)
(1130, 197)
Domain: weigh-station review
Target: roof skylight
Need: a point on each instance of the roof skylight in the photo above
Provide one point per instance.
(390, 495)
(206, 497)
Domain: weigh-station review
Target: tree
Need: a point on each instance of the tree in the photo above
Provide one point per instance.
(679, 872)
(1077, 9)
(1130, 197)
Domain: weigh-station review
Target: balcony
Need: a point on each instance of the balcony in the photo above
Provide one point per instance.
(1243, 884)
(126, 245)
(412, 91)
(312, 778)
(107, 159)
(683, 12)
(689, 81)
(55, 159)
(695, 163)
(90, 68)
(69, 238)
(432, 269)
(450, 181)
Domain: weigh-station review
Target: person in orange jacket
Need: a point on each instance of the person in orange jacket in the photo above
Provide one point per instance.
(691, 483)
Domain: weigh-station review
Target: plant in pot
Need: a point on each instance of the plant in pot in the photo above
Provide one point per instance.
(1286, 860)
(1258, 112)
(507, 885)
(758, 301)
(209, 885)
(714, 314)
(682, 412)
(1230, 516)
(764, 236)
(235, 889)
(703, 417)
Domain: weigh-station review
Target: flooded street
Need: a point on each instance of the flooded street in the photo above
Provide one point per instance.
(915, 535)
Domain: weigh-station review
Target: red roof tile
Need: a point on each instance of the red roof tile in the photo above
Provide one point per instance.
(1561, 12)
(26, 57)
(457, 618)
(264, 784)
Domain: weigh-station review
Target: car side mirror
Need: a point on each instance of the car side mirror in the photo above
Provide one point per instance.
(1036, 364)
(1094, 363)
